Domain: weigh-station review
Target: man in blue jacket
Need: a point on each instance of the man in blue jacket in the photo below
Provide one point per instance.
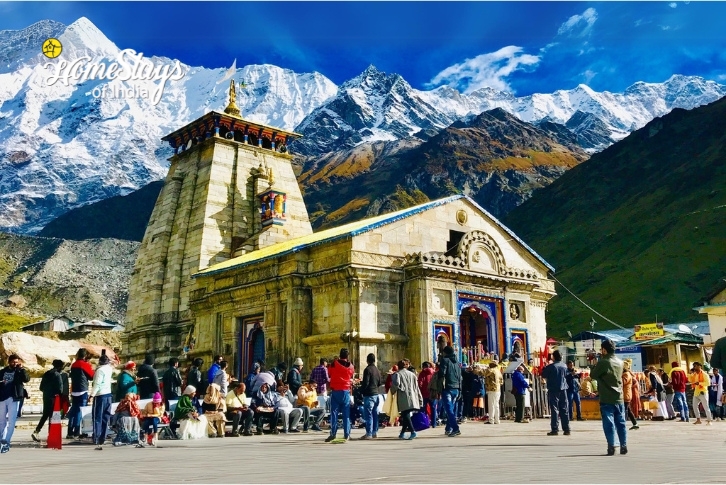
(519, 389)
(556, 376)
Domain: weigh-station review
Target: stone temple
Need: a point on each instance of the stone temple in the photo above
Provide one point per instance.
(230, 265)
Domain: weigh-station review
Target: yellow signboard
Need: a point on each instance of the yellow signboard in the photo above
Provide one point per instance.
(648, 331)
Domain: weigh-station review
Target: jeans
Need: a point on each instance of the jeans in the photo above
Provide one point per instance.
(558, 410)
(8, 416)
(574, 398)
(150, 423)
(448, 396)
(340, 402)
(613, 420)
(370, 414)
(101, 417)
(434, 403)
(682, 405)
(74, 414)
(459, 406)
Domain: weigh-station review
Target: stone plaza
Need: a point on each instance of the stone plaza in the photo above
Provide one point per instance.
(659, 452)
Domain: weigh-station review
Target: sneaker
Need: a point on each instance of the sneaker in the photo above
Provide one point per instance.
(4, 447)
(454, 433)
(366, 437)
(402, 436)
(305, 430)
(235, 434)
(447, 432)
(247, 432)
(295, 430)
(35, 436)
(375, 435)
(611, 450)
(259, 431)
(329, 439)
(99, 448)
(413, 436)
(623, 450)
(566, 433)
(635, 426)
(275, 431)
(553, 433)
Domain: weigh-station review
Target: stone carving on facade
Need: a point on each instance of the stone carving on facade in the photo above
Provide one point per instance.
(441, 302)
(516, 311)
(481, 252)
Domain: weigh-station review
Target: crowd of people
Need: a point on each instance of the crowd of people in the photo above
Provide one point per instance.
(199, 403)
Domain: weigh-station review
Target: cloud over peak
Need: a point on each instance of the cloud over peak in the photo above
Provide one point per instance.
(486, 70)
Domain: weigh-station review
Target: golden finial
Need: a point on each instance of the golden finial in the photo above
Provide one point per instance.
(270, 177)
(232, 108)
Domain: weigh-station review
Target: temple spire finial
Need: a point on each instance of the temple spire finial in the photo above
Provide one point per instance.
(232, 108)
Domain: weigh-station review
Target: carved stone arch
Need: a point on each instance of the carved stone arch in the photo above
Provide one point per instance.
(479, 251)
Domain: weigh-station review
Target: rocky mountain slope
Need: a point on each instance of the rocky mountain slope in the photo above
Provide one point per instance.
(80, 279)
(495, 158)
(638, 229)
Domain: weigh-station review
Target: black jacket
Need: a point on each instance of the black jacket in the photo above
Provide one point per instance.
(149, 384)
(13, 386)
(172, 383)
(371, 380)
(451, 372)
(194, 378)
(294, 380)
(51, 384)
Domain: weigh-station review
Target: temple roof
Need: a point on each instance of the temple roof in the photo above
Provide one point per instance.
(347, 231)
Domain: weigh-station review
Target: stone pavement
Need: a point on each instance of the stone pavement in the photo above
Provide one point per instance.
(660, 452)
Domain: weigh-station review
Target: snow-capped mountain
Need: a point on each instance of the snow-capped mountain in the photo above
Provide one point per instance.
(68, 144)
(62, 146)
(378, 106)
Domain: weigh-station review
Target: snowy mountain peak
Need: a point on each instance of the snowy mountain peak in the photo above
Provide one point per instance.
(20, 46)
(82, 37)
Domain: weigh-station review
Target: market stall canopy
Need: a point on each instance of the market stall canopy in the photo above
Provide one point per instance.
(677, 337)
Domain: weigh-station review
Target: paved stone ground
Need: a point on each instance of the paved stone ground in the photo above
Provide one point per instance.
(660, 452)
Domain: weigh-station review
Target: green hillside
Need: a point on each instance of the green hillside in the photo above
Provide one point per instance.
(640, 228)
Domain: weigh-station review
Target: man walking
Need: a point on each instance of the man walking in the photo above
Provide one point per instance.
(608, 373)
(172, 382)
(12, 380)
(679, 379)
(556, 376)
(51, 385)
(81, 373)
(450, 371)
(700, 382)
(148, 378)
(341, 378)
(493, 382)
(369, 387)
(573, 391)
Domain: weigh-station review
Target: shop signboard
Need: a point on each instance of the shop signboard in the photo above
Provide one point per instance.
(648, 331)
(636, 357)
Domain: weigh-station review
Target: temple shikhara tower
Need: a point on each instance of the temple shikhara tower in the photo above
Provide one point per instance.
(230, 265)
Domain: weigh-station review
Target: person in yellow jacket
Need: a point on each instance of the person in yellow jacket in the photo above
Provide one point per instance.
(700, 382)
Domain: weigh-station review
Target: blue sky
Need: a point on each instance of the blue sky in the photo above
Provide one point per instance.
(522, 47)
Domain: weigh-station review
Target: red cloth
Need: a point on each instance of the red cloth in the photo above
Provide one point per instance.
(341, 375)
(679, 380)
(424, 378)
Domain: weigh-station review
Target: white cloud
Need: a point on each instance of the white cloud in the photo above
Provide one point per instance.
(665, 27)
(588, 75)
(673, 5)
(579, 25)
(486, 70)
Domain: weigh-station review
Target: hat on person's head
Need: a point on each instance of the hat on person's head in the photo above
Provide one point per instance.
(674, 364)
(157, 397)
(298, 362)
(130, 365)
(189, 390)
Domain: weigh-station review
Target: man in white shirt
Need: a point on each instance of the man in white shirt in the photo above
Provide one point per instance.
(289, 415)
(101, 397)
